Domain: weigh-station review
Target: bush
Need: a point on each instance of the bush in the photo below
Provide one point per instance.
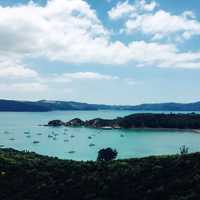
(107, 154)
(184, 150)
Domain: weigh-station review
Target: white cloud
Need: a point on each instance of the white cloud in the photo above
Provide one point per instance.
(162, 24)
(148, 6)
(59, 27)
(162, 55)
(144, 17)
(125, 9)
(121, 9)
(68, 77)
(23, 87)
(11, 70)
(17, 72)
(45, 82)
(70, 31)
(188, 14)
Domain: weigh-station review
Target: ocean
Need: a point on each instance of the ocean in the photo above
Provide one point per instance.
(22, 131)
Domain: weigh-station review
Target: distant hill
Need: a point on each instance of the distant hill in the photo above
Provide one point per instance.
(169, 107)
(139, 121)
(45, 105)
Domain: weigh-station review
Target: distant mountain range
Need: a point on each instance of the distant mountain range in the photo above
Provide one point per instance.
(45, 105)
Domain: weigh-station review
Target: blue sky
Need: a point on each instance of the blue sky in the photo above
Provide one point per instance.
(108, 51)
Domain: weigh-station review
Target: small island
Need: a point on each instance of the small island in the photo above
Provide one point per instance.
(138, 121)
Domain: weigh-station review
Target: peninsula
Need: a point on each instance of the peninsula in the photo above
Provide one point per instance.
(140, 120)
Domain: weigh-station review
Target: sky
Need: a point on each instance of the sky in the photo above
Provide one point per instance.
(100, 51)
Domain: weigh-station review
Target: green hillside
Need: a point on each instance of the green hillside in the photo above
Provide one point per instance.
(28, 176)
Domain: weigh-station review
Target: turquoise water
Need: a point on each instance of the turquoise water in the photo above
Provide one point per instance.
(73, 143)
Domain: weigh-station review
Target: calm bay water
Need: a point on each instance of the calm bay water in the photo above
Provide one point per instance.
(75, 143)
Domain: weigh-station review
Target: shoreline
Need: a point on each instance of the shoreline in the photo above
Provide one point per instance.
(121, 128)
(168, 129)
(146, 129)
(136, 129)
(141, 121)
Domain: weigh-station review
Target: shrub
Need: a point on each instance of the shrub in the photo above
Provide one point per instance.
(184, 150)
(107, 154)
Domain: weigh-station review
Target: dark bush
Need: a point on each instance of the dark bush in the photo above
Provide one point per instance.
(28, 176)
(106, 154)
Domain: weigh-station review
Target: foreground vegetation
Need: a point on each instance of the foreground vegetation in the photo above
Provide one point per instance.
(28, 176)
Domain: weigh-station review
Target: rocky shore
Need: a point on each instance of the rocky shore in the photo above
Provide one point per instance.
(138, 121)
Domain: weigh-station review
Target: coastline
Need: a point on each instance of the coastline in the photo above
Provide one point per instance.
(167, 129)
(149, 129)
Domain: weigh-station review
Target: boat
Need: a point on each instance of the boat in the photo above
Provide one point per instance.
(107, 127)
(36, 142)
(71, 152)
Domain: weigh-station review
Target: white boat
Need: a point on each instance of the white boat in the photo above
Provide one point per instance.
(107, 127)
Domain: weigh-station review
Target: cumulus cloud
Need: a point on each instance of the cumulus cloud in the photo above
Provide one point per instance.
(163, 24)
(126, 9)
(148, 6)
(144, 17)
(70, 31)
(61, 30)
(163, 55)
(121, 9)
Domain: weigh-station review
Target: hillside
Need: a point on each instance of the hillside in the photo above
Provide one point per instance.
(30, 176)
(138, 120)
(45, 105)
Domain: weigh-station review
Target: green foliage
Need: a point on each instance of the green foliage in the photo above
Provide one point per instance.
(28, 176)
(149, 120)
(107, 154)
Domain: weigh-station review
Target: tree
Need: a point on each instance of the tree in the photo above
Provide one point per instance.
(107, 154)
